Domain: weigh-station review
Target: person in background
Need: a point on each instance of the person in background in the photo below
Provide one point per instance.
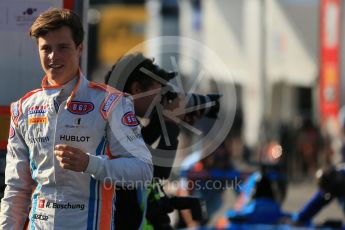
(342, 133)
(308, 145)
(145, 81)
(140, 77)
(68, 142)
(331, 185)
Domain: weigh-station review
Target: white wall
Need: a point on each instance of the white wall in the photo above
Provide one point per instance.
(232, 29)
(292, 41)
(263, 42)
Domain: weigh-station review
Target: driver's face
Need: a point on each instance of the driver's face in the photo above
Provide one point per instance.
(59, 55)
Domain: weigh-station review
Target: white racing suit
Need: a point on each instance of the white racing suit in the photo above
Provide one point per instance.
(97, 119)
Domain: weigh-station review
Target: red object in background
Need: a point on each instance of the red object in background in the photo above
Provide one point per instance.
(4, 126)
(68, 4)
(330, 11)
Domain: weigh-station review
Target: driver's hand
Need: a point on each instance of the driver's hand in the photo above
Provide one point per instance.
(71, 158)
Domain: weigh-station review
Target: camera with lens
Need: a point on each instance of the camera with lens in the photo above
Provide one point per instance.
(207, 105)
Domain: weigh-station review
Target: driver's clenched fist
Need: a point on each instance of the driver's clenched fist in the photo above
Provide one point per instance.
(71, 158)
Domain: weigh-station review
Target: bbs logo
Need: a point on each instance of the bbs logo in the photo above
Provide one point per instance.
(80, 107)
(40, 217)
(129, 119)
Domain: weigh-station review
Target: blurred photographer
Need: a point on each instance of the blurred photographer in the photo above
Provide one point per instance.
(146, 82)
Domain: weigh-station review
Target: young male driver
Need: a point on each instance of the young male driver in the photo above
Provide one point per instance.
(68, 143)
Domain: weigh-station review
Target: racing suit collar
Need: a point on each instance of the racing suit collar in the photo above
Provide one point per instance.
(47, 86)
(53, 91)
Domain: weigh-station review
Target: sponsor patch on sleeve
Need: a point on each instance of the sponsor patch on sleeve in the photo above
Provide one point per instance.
(80, 107)
(108, 104)
(15, 110)
(129, 119)
(11, 132)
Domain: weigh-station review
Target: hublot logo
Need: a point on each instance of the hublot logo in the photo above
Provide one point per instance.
(74, 138)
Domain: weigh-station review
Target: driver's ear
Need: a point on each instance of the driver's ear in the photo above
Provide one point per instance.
(135, 88)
